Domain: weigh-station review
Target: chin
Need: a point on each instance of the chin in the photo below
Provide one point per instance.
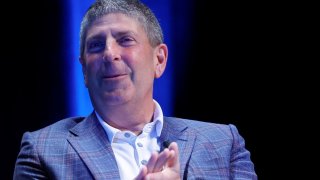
(117, 97)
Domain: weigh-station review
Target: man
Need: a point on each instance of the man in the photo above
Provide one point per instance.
(127, 136)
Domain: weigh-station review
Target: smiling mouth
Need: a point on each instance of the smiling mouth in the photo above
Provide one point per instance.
(110, 77)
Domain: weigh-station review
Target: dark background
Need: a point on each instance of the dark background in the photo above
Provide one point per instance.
(231, 76)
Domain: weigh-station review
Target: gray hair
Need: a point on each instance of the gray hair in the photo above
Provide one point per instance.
(131, 8)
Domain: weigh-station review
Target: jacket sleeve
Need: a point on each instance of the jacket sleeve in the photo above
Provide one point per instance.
(28, 165)
(241, 164)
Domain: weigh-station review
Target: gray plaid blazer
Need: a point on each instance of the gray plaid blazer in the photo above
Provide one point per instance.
(78, 148)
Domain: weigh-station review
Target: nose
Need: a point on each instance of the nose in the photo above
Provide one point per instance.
(111, 51)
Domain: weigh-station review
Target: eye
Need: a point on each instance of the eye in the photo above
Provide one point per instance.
(95, 46)
(126, 41)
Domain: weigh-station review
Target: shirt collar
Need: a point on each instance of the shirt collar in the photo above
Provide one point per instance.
(158, 118)
(156, 124)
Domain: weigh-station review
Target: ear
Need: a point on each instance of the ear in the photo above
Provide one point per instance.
(84, 70)
(161, 60)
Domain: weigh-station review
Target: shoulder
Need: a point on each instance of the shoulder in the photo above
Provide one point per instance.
(62, 125)
(54, 131)
(207, 130)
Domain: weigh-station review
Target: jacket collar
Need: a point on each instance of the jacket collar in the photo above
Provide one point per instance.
(176, 130)
(91, 143)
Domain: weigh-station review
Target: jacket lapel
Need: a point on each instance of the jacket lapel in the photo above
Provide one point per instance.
(91, 143)
(175, 131)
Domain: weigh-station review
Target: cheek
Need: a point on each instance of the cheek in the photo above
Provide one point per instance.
(140, 59)
(144, 68)
(93, 65)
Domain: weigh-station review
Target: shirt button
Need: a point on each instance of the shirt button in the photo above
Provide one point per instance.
(139, 144)
(127, 135)
(144, 162)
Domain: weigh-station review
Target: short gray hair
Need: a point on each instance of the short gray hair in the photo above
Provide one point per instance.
(131, 8)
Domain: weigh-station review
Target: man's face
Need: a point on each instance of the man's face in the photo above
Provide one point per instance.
(119, 64)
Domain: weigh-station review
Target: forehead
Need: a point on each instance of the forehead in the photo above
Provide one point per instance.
(115, 21)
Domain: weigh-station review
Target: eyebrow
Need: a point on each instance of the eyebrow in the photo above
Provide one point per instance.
(115, 34)
(95, 37)
(123, 33)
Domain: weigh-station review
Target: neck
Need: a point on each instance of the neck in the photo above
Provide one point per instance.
(128, 116)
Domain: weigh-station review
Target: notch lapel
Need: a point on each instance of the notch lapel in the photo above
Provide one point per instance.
(174, 131)
(91, 143)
